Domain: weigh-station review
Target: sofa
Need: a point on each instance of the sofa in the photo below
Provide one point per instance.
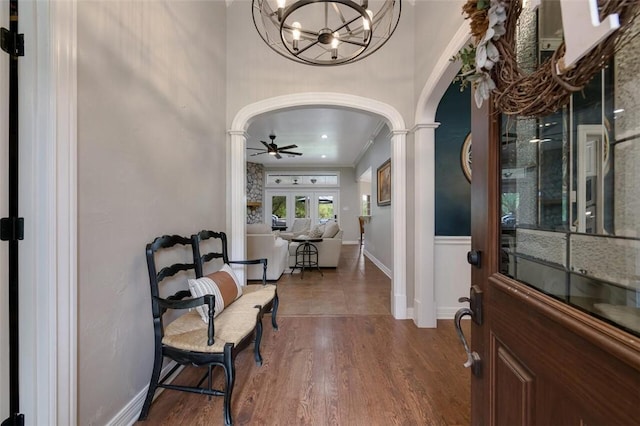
(300, 226)
(262, 243)
(328, 249)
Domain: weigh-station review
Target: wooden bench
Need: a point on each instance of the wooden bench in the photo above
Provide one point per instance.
(186, 338)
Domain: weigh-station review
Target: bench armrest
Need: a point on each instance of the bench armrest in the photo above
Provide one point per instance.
(207, 299)
(254, 262)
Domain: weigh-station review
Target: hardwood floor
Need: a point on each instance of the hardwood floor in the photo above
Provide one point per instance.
(339, 358)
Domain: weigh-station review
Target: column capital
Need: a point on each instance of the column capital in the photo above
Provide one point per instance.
(237, 133)
(421, 126)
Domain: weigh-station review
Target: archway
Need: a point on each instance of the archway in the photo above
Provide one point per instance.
(236, 174)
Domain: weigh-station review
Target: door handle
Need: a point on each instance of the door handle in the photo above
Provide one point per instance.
(473, 359)
(475, 304)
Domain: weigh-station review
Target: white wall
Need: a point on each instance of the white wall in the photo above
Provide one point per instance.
(452, 274)
(151, 161)
(436, 22)
(255, 72)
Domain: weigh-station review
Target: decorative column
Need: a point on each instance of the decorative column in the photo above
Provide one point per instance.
(399, 207)
(424, 303)
(236, 198)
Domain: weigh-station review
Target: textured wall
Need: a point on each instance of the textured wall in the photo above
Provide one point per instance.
(150, 136)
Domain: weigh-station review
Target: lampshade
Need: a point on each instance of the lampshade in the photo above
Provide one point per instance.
(325, 32)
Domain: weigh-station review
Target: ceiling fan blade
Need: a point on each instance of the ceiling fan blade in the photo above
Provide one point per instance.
(290, 153)
(258, 153)
(256, 149)
(267, 145)
(278, 156)
(287, 147)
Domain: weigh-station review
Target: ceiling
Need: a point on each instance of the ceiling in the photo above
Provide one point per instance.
(348, 135)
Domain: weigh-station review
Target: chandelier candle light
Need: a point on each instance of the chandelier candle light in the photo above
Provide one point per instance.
(325, 32)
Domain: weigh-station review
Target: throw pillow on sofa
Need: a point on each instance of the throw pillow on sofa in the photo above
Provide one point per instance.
(331, 229)
(316, 232)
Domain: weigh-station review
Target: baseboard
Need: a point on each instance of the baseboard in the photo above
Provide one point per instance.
(446, 312)
(130, 412)
(379, 264)
(410, 314)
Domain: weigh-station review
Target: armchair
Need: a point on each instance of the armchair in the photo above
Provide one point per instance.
(265, 245)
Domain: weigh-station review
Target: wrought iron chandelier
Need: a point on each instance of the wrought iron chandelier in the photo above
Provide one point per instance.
(325, 32)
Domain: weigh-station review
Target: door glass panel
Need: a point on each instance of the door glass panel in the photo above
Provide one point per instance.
(302, 206)
(279, 212)
(325, 208)
(570, 196)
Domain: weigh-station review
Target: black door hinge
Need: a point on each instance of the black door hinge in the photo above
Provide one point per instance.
(12, 42)
(11, 228)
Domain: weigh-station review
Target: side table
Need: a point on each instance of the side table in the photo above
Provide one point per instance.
(306, 255)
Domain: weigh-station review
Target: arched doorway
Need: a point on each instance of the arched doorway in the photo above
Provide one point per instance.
(236, 174)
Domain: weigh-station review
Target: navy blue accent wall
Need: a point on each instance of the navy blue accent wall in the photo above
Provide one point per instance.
(453, 196)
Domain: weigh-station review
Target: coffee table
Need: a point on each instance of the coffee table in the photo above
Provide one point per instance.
(306, 255)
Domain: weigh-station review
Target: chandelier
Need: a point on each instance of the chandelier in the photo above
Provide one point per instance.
(325, 32)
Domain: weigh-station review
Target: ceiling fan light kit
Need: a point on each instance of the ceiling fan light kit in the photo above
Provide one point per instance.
(325, 32)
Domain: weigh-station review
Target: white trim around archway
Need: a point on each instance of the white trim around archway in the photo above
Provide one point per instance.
(425, 303)
(236, 210)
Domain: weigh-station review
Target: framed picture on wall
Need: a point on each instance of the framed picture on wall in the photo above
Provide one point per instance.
(384, 183)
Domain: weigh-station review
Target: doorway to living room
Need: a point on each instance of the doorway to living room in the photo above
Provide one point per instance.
(237, 171)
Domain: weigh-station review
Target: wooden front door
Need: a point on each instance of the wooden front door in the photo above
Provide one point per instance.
(555, 235)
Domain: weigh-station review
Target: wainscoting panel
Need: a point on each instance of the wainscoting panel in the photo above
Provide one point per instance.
(452, 274)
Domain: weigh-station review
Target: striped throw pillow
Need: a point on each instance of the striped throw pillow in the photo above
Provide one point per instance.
(223, 284)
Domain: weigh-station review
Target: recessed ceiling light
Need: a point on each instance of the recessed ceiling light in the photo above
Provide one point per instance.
(324, 136)
(324, 156)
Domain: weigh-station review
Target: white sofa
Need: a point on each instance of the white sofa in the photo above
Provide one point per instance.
(262, 243)
(328, 249)
(300, 226)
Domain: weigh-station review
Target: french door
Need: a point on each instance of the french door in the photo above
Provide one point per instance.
(284, 206)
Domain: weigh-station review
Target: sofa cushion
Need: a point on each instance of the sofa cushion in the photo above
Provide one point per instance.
(223, 284)
(331, 229)
(300, 225)
(258, 228)
(316, 231)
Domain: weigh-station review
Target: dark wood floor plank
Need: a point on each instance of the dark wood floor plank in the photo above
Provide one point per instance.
(339, 358)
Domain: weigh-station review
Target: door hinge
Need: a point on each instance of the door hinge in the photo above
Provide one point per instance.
(12, 42)
(11, 228)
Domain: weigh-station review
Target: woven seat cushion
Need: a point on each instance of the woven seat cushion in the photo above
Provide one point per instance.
(188, 332)
(257, 294)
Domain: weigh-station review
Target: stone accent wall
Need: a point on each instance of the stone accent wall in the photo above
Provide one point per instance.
(255, 179)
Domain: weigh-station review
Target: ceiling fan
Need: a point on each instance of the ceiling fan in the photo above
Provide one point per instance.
(272, 149)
